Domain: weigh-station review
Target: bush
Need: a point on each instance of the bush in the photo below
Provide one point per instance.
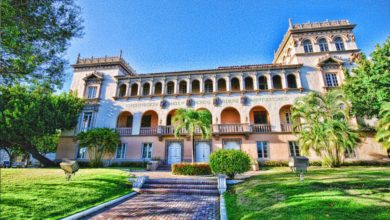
(229, 162)
(129, 164)
(275, 163)
(366, 163)
(315, 163)
(191, 169)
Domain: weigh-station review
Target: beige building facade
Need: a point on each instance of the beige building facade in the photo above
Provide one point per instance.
(250, 105)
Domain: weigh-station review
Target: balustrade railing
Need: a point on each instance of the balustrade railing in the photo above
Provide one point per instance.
(229, 128)
(169, 129)
(286, 127)
(148, 131)
(124, 131)
(260, 128)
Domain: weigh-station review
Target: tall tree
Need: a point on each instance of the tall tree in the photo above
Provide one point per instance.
(383, 126)
(321, 124)
(368, 86)
(100, 142)
(34, 37)
(32, 116)
(192, 121)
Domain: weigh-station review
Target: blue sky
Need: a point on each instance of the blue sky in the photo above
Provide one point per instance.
(171, 35)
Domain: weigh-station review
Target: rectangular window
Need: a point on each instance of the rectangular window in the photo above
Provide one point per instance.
(294, 149)
(87, 121)
(350, 153)
(262, 149)
(81, 153)
(232, 144)
(91, 92)
(120, 152)
(147, 150)
(260, 117)
(331, 80)
(288, 117)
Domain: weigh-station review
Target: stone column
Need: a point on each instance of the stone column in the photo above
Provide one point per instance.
(298, 79)
(255, 82)
(139, 88)
(284, 79)
(228, 84)
(269, 80)
(242, 82)
(137, 117)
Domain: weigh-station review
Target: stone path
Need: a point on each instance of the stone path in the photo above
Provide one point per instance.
(164, 206)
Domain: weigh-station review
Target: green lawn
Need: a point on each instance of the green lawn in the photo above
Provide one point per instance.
(45, 194)
(340, 193)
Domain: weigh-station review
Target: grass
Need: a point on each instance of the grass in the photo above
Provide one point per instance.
(340, 193)
(45, 194)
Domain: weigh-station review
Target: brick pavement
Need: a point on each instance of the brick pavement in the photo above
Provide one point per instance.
(164, 206)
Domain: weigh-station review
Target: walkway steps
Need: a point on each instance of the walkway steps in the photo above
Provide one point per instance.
(180, 186)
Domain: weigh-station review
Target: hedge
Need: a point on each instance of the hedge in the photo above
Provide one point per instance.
(229, 162)
(191, 169)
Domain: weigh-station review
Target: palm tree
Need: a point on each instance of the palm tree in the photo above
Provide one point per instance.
(193, 122)
(383, 134)
(321, 123)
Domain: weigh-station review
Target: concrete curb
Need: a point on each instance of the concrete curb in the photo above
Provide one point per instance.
(222, 208)
(99, 207)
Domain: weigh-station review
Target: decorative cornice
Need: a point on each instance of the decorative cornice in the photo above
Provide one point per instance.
(82, 63)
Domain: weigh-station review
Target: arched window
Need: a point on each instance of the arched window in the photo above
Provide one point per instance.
(339, 43)
(195, 86)
(134, 90)
(277, 82)
(221, 85)
(183, 87)
(248, 83)
(323, 45)
(263, 85)
(235, 85)
(307, 46)
(158, 88)
(170, 88)
(291, 81)
(208, 86)
(122, 90)
(146, 89)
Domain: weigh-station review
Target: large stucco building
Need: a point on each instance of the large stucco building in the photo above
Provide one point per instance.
(250, 104)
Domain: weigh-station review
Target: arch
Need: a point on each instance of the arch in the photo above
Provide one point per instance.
(248, 83)
(146, 89)
(277, 82)
(263, 83)
(208, 86)
(134, 89)
(158, 88)
(221, 85)
(170, 116)
(285, 117)
(291, 81)
(323, 43)
(195, 85)
(182, 87)
(235, 84)
(230, 115)
(339, 43)
(307, 46)
(125, 120)
(258, 115)
(122, 90)
(170, 87)
(149, 119)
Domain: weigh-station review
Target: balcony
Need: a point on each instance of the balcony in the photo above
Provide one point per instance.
(124, 131)
(286, 127)
(260, 128)
(148, 131)
(230, 128)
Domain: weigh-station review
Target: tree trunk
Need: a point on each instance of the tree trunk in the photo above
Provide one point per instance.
(34, 152)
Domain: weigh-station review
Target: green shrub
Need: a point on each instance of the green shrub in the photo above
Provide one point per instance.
(129, 164)
(275, 163)
(229, 162)
(366, 163)
(315, 163)
(191, 169)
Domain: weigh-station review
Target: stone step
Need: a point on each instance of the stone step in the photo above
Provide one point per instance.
(180, 191)
(179, 186)
(182, 182)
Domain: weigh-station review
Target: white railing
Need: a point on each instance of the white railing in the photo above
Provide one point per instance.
(148, 131)
(286, 127)
(260, 128)
(124, 131)
(229, 128)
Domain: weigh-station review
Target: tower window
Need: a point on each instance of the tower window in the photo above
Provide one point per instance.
(339, 43)
(331, 80)
(323, 45)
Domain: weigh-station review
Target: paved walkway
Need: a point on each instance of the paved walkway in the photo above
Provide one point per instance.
(164, 206)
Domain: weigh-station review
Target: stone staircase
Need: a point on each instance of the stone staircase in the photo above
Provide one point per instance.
(180, 186)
